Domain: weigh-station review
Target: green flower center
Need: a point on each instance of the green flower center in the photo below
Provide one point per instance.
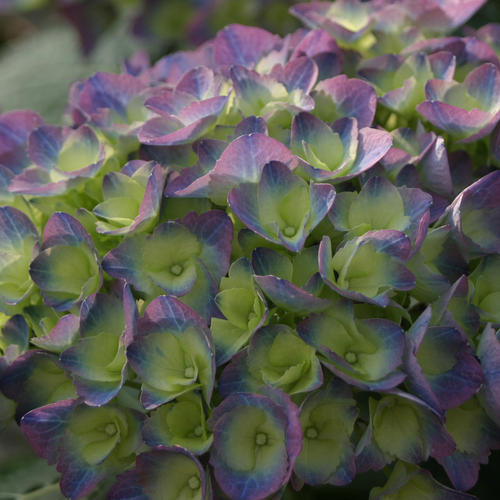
(194, 482)
(110, 429)
(198, 431)
(351, 357)
(176, 269)
(311, 433)
(289, 231)
(260, 439)
(189, 372)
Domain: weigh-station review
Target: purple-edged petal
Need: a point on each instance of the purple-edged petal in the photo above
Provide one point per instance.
(255, 445)
(200, 82)
(346, 20)
(18, 245)
(97, 442)
(242, 45)
(104, 98)
(488, 352)
(475, 216)
(475, 435)
(62, 336)
(243, 161)
(15, 128)
(127, 487)
(370, 275)
(97, 362)
(45, 144)
(441, 367)
(365, 353)
(422, 435)
(172, 353)
(288, 296)
(67, 270)
(340, 96)
(300, 73)
(214, 230)
(15, 332)
(276, 357)
(323, 49)
(45, 426)
(279, 208)
(189, 124)
(34, 379)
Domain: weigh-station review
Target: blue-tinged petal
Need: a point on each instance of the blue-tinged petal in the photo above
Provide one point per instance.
(214, 231)
(289, 296)
(323, 49)
(127, 487)
(200, 82)
(18, 245)
(342, 96)
(45, 426)
(367, 267)
(172, 352)
(474, 216)
(44, 145)
(406, 428)
(365, 352)
(15, 128)
(441, 367)
(475, 435)
(488, 352)
(35, 379)
(15, 332)
(242, 45)
(62, 336)
(243, 161)
(255, 445)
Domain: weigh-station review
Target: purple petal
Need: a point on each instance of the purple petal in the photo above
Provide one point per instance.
(300, 73)
(63, 229)
(352, 97)
(62, 336)
(15, 128)
(45, 426)
(199, 82)
(288, 296)
(214, 230)
(127, 487)
(242, 45)
(488, 352)
(45, 144)
(475, 215)
(243, 161)
(323, 49)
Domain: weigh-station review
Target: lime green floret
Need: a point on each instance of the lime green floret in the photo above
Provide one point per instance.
(362, 269)
(256, 441)
(15, 280)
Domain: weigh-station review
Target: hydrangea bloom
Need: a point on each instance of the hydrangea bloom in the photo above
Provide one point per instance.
(263, 264)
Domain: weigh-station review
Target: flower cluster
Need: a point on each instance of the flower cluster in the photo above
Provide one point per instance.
(265, 263)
